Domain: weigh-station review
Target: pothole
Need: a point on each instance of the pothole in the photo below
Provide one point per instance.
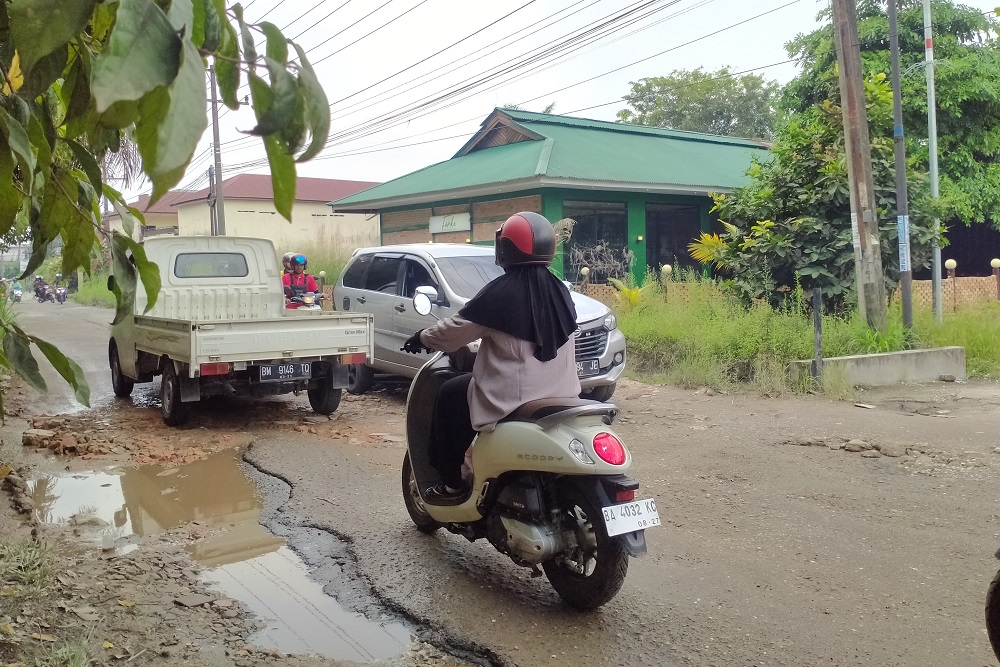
(243, 560)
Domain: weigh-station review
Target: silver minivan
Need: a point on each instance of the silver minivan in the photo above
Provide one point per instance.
(382, 281)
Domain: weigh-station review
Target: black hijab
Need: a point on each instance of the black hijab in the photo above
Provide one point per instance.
(529, 303)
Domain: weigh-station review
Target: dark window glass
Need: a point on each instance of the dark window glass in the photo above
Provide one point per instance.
(670, 228)
(211, 265)
(382, 274)
(416, 275)
(355, 274)
(467, 275)
(601, 231)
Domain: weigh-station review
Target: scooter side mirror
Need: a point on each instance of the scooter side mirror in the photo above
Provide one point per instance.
(421, 303)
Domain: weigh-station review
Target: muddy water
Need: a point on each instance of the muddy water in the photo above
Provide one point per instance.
(243, 560)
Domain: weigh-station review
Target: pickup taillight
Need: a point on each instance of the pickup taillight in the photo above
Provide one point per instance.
(218, 368)
(356, 358)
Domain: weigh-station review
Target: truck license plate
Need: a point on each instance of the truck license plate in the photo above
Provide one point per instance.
(280, 372)
(627, 517)
(587, 368)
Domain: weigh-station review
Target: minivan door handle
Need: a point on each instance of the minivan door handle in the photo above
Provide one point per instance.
(360, 299)
(400, 308)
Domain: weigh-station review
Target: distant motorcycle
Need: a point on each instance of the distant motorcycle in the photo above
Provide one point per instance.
(16, 294)
(61, 294)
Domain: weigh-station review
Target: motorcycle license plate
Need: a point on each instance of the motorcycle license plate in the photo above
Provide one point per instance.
(628, 517)
(280, 372)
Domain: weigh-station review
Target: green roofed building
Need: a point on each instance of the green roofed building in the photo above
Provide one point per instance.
(644, 189)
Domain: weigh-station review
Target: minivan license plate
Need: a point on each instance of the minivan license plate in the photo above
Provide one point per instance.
(628, 517)
(587, 368)
(281, 372)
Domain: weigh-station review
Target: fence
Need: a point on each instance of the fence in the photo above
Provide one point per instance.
(955, 292)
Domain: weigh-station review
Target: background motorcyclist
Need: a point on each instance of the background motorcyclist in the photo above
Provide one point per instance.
(39, 286)
(526, 320)
(286, 261)
(298, 281)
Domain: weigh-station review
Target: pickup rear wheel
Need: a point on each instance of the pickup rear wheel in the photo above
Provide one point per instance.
(121, 385)
(175, 413)
(323, 398)
(360, 379)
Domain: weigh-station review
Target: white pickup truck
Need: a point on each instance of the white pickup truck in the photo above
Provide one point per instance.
(220, 327)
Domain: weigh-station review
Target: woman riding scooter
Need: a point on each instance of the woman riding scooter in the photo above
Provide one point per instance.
(298, 282)
(526, 321)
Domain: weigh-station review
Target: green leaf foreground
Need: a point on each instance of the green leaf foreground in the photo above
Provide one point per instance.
(97, 76)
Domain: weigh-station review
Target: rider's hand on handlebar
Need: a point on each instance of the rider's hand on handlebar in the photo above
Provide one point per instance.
(414, 345)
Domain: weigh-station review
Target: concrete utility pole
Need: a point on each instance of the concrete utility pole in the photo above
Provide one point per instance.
(213, 224)
(219, 204)
(932, 148)
(902, 202)
(864, 221)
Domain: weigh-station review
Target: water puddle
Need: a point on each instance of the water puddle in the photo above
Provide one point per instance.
(243, 560)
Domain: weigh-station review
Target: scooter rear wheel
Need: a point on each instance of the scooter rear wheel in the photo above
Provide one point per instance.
(414, 503)
(594, 574)
(993, 615)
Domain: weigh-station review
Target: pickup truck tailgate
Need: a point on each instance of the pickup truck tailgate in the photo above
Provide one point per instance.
(287, 337)
(256, 340)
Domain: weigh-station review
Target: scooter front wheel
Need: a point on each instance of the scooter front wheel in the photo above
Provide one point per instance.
(591, 574)
(414, 503)
(993, 615)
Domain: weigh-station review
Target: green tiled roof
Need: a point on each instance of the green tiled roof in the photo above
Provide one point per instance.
(574, 149)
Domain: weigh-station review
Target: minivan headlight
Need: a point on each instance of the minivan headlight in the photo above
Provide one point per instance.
(610, 322)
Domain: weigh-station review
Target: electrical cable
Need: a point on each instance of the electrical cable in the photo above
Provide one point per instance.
(369, 34)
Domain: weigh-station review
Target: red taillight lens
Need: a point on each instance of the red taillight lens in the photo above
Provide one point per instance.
(219, 368)
(609, 449)
(624, 496)
(356, 358)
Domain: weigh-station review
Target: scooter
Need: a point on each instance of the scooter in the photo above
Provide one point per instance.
(993, 613)
(61, 294)
(44, 293)
(301, 300)
(16, 294)
(550, 485)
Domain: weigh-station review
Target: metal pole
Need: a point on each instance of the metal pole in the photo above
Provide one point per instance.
(817, 364)
(864, 215)
(902, 199)
(932, 148)
(213, 224)
(220, 207)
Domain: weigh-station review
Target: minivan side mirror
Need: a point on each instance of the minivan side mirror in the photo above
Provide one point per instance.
(111, 283)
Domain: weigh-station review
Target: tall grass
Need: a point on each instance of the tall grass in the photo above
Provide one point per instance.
(94, 292)
(707, 339)
(322, 257)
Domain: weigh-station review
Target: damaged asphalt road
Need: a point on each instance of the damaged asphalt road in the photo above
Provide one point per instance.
(797, 531)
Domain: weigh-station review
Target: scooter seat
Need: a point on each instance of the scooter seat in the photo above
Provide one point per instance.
(532, 411)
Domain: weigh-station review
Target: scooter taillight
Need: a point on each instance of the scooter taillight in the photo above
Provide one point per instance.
(609, 449)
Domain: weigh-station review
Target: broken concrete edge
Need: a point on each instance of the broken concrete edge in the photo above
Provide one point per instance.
(888, 368)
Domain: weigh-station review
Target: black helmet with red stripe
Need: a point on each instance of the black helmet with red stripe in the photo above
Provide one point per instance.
(525, 238)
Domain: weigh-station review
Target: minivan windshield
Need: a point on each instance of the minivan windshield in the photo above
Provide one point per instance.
(467, 275)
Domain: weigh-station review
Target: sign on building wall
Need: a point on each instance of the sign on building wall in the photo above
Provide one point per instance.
(456, 222)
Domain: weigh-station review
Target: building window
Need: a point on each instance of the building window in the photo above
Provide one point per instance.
(601, 229)
(669, 230)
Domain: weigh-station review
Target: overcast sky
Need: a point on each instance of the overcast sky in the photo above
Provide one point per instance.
(353, 50)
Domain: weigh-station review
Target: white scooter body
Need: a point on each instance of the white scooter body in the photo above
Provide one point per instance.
(549, 486)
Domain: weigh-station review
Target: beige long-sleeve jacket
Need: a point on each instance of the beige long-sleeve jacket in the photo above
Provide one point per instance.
(506, 374)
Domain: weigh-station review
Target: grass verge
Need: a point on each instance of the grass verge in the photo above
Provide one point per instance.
(698, 337)
(94, 292)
